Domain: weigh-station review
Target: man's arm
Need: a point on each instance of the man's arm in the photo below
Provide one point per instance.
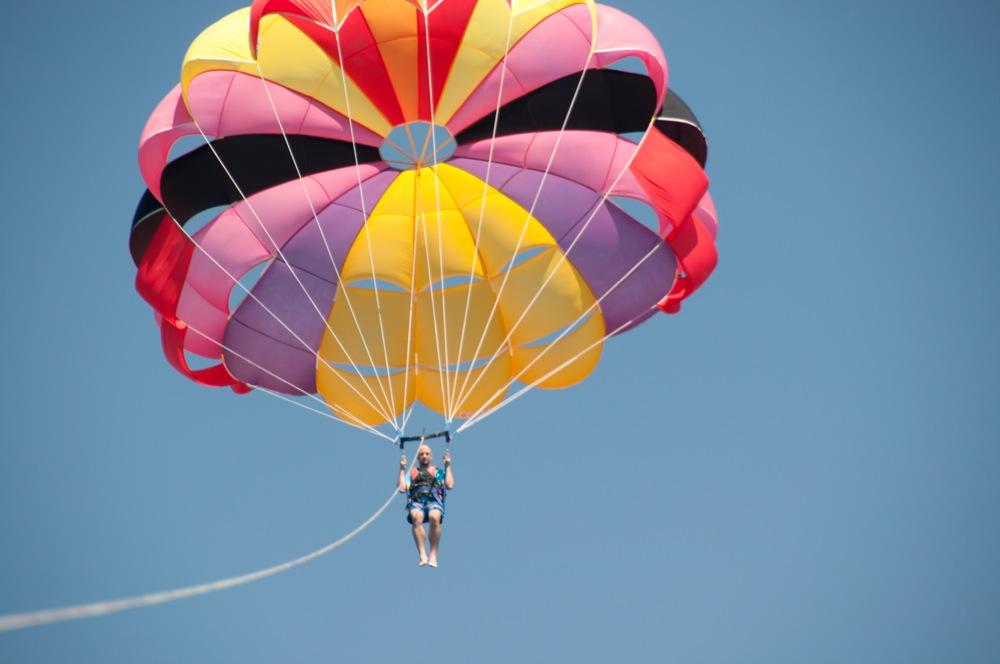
(449, 477)
(401, 481)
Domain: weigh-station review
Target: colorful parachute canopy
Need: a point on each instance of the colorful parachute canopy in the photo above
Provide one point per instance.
(431, 192)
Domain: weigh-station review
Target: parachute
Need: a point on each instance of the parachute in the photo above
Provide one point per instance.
(416, 201)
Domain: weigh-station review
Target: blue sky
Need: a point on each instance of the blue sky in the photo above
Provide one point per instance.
(800, 467)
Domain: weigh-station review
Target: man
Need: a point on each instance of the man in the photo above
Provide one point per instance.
(426, 488)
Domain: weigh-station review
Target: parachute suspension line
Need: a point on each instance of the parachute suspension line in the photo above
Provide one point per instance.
(443, 361)
(482, 207)
(463, 393)
(364, 213)
(278, 395)
(422, 215)
(527, 388)
(565, 254)
(357, 424)
(567, 330)
(409, 324)
(16, 621)
(343, 286)
(273, 315)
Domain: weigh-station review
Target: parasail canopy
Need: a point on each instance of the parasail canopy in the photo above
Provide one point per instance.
(417, 201)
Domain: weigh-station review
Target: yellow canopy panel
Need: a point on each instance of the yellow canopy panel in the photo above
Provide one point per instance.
(472, 320)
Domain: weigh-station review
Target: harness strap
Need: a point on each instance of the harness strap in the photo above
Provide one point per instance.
(427, 490)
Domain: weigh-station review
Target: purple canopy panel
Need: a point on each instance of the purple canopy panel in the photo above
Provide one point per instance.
(610, 243)
(295, 366)
(259, 334)
(311, 250)
(499, 173)
(561, 203)
(254, 333)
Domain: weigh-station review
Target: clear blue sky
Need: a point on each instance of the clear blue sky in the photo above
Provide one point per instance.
(802, 466)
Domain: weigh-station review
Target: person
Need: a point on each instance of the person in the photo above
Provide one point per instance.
(426, 487)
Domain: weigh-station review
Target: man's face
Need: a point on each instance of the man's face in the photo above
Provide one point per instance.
(424, 455)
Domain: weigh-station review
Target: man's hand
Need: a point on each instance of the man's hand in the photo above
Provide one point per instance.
(446, 458)
(402, 462)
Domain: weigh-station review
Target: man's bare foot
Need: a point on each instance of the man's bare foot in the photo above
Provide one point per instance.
(423, 561)
(433, 562)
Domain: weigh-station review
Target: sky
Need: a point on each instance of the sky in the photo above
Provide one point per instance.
(800, 466)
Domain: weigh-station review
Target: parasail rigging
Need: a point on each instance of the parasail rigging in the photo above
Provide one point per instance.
(412, 201)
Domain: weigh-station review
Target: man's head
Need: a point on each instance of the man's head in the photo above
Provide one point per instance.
(424, 455)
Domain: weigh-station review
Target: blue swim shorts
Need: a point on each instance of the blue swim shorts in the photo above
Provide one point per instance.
(426, 508)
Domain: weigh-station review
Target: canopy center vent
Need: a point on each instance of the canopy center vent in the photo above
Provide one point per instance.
(416, 145)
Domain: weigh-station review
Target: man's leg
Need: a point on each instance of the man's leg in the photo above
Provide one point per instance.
(434, 517)
(417, 517)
